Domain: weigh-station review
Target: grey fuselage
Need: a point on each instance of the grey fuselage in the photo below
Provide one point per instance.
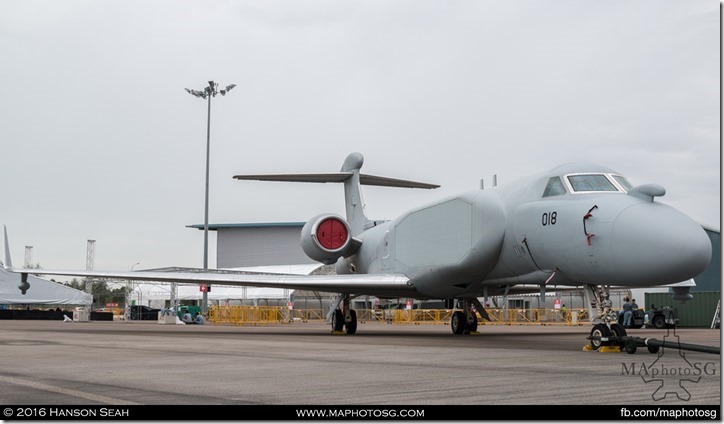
(548, 227)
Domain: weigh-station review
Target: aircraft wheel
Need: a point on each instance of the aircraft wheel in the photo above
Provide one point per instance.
(472, 326)
(653, 349)
(338, 320)
(352, 325)
(619, 332)
(630, 346)
(659, 322)
(457, 322)
(598, 331)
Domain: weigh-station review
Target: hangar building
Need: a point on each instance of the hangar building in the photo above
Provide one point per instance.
(245, 245)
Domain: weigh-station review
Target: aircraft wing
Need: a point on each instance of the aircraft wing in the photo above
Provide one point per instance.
(361, 284)
(396, 285)
(381, 285)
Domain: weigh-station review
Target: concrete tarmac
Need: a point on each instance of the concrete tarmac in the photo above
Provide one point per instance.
(119, 363)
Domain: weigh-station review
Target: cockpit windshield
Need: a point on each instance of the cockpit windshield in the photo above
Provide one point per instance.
(597, 182)
(580, 183)
(554, 187)
(586, 183)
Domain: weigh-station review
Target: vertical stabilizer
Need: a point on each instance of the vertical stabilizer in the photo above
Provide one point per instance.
(354, 205)
(7, 262)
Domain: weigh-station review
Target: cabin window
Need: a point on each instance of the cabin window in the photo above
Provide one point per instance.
(591, 182)
(554, 187)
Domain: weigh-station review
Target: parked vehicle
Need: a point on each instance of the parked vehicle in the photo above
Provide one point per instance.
(637, 320)
(191, 309)
(141, 312)
(666, 317)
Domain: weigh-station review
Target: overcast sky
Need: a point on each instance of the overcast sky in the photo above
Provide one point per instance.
(100, 141)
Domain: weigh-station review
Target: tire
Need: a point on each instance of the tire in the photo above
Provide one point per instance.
(619, 332)
(457, 322)
(630, 346)
(637, 321)
(659, 322)
(351, 327)
(473, 326)
(653, 349)
(599, 330)
(338, 321)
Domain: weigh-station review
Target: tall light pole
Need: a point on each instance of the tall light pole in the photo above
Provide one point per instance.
(208, 92)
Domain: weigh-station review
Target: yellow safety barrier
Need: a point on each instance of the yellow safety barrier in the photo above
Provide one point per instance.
(264, 315)
(421, 316)
(497, 316)
(371, 315)
(539, 317)
(248, 315)
(306, 315)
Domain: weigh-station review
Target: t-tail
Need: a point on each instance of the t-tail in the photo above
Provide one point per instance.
(352, 178)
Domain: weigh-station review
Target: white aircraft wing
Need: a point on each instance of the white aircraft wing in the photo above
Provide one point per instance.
(396, 285)
(370, 284)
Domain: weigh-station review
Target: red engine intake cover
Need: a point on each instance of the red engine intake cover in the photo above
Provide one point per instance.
(332, 234)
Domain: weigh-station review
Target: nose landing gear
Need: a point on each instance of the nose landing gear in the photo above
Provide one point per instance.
(607, 336)
(606, 333)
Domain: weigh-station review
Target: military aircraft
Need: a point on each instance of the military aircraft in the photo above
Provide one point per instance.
(575, 225)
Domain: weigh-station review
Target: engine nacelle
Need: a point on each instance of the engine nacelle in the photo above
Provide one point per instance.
(24, 285)
(682, 294)
(326, 238)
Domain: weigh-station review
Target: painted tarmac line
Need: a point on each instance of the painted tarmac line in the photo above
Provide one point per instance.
(69, 392)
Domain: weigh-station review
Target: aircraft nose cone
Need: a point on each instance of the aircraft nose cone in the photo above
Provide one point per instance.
(656, 244)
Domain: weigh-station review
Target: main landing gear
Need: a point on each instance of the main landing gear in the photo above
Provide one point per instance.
(344, 320)
(466, 321)
(606, 331)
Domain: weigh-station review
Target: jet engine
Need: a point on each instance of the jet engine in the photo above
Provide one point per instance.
(326, 238)
(24, 285)
(681, 294)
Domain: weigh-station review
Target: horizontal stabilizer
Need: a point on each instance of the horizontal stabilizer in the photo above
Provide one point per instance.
(337, 177)
(374, 180)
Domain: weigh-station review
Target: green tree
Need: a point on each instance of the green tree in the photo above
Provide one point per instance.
(101, 293)
(76, 284)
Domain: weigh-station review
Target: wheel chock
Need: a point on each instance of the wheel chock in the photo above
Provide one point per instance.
(338, 332)
(604, 349)
(589, 348)
(473, 333)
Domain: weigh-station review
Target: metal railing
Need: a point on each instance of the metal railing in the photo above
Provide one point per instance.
(534, 317)
(248, 315)
(261, 315)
